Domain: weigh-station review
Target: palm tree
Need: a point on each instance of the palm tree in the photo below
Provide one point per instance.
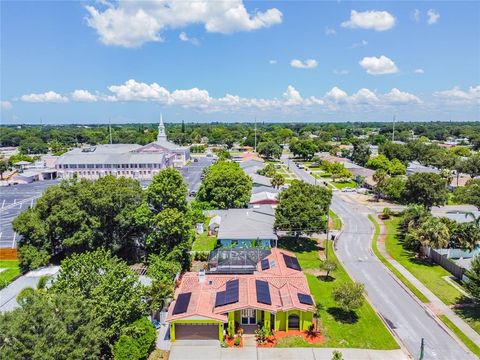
(475, 219)
(433, 233)
(447, 175)
(277, 180)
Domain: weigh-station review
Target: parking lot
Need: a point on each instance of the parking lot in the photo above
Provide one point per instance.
(16, 198)
(13, 200)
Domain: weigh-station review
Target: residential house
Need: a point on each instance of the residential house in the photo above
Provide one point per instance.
(274, 295)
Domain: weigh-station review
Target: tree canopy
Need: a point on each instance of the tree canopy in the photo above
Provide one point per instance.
(167, 190)
(225, 185)
(427, 189)
(303, 208)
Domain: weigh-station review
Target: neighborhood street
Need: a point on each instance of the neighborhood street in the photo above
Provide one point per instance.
(406, 317)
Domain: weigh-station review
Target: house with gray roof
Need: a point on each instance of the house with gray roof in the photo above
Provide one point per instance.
(248, 227)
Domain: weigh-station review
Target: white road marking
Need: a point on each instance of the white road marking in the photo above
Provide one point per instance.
(3, 203)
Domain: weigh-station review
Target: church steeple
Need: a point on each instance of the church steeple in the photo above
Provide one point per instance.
(162, 135)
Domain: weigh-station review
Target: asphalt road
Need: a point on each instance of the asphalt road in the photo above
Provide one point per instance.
(193, 172)
(407, 318)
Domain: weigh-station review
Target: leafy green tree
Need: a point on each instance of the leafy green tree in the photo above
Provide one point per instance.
(469, 194)
(328, 265)
(225, 186)
(223, 154)
(160, 269)
(269, 170)
(84, 215)
(391, 187)
(277, 180)
(397, 168)
(349, 296)
(473, 285)
(303, 148)
(33, 145)
(4, 167)
(109, 283)
(32, 258)
(169, 228)
(136, 341)
(303, 208)
(427, 189)
(412, 217)
(360, 152)
(269, 150)
(395, 151)
(167, 190)
(52, 326)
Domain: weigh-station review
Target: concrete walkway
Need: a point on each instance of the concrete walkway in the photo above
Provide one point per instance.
(435, 305)
(206, 351)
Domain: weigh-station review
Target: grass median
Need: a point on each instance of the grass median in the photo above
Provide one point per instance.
(10, 273)
(464, 338)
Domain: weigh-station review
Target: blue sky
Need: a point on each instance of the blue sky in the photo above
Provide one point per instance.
(87, 62)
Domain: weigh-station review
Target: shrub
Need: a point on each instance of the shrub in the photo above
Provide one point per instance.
(237, 341)
(136, 341)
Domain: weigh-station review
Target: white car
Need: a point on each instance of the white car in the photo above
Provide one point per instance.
(348, 189)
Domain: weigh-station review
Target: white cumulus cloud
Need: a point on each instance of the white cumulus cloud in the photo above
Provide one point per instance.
(336, 95)
(132, 23)
(376, 20)
(419, 71)
(132, 90)
(397, 97)
(83, 96)
(5, 105)
(433, 17)
(330, 31)
(307, 64)
(416, 15)
(46, 97)
(364, 96)
(378, 65)
(457, 95)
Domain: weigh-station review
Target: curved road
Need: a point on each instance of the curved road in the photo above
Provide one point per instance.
(405, 316)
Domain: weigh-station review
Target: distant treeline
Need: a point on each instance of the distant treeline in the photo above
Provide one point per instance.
(36, 139)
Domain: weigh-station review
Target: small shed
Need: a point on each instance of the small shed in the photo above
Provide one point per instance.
(214, 224)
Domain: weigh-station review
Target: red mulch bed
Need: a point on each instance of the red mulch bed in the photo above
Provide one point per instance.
(231, 342)
(317, 338)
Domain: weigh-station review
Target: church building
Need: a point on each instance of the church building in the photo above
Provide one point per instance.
(129, 160)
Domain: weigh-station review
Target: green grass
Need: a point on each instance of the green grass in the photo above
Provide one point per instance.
(341, 185)
(471, 315)
(399, 275)
(11, 272)
(365, 330)
(466, 340)
(294, 341)
(337, 223)
(203, 242)
(429, 273)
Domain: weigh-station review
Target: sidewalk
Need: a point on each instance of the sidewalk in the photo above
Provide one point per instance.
(197, 351)
(435, 305)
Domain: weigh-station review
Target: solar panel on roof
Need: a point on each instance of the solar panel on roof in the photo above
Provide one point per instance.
(263, 292)
(305, 299)
(230, 295)
(265, 264)
(182, 303)
(291, 262)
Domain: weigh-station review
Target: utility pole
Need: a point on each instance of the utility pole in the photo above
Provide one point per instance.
(393, 132)
(255, 148)
(110, 130)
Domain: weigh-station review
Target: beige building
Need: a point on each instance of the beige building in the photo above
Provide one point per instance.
(129, 160)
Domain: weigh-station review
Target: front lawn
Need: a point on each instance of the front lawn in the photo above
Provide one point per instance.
(341, 185)
(364, 330)
(11, 271)
(337, 223)
(429, 273)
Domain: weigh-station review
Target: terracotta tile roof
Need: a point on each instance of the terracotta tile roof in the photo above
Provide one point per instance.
(284, 285)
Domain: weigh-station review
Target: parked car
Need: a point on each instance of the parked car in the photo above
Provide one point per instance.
(195, 160)
(192, 193)
(348, 189)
